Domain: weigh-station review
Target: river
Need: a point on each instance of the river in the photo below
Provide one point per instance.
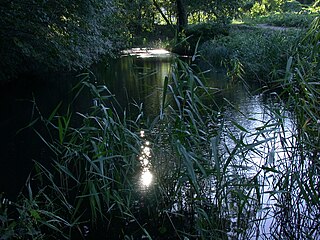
(137, 77)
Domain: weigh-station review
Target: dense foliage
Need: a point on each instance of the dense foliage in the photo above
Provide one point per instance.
(259, 47)
(55, 34)
(261, 52)
(60, 35)
(218, 10)
(288, 19)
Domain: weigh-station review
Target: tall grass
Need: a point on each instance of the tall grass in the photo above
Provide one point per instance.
(294, 189)
(302, 89)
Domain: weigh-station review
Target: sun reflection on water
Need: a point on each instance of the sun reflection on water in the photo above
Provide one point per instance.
(146, 176)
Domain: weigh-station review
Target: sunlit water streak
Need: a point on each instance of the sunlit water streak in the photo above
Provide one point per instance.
(147, 52)
(146, 176)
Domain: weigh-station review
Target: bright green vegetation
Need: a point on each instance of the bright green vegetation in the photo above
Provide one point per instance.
(291, 14)
(258, 47)
(287, 19)
(206, 182)
(259, 52)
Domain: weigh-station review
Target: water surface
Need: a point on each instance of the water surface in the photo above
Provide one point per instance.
(135, 80)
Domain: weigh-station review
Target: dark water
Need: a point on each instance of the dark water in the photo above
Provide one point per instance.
(136, 79)
(22, 102)
(33, 97)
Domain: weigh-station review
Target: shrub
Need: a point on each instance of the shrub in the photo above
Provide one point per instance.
(291, 6)
(207, 30)
(301, 20)
(199, 32)
(259, 51)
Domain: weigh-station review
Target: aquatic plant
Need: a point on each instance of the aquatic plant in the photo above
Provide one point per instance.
(296, 188)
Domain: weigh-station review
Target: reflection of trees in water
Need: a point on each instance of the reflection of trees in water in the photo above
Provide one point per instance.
(137, 80)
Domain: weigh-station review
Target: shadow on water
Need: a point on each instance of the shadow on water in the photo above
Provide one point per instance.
(131, 79)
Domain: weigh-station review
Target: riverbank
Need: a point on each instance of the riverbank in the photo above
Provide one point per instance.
(252, 50)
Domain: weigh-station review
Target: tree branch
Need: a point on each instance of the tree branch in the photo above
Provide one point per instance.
(161, 12)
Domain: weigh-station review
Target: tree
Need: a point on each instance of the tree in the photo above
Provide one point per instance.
(216, 10)
(54, 34)
(182, 17)
(165, 18)
(137, 15)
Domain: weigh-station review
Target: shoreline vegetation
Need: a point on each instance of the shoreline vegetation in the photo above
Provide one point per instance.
(205, 188)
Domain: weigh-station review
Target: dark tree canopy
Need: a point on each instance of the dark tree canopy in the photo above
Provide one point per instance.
(65, 34)
(56, 34)
(142, 14)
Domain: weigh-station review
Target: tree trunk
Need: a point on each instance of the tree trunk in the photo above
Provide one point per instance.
(182, 21)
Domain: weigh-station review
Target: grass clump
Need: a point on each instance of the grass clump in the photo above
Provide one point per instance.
(297, 197)
(88, 187)
(93, 178)
(300, 83)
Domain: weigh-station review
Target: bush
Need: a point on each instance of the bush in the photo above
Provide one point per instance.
(292, 6)
(258, 9)
(292, 20)
(214, 52)
(199, 32)
(57, 36)
(207, 30)
(259, 51)
(301, 20)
